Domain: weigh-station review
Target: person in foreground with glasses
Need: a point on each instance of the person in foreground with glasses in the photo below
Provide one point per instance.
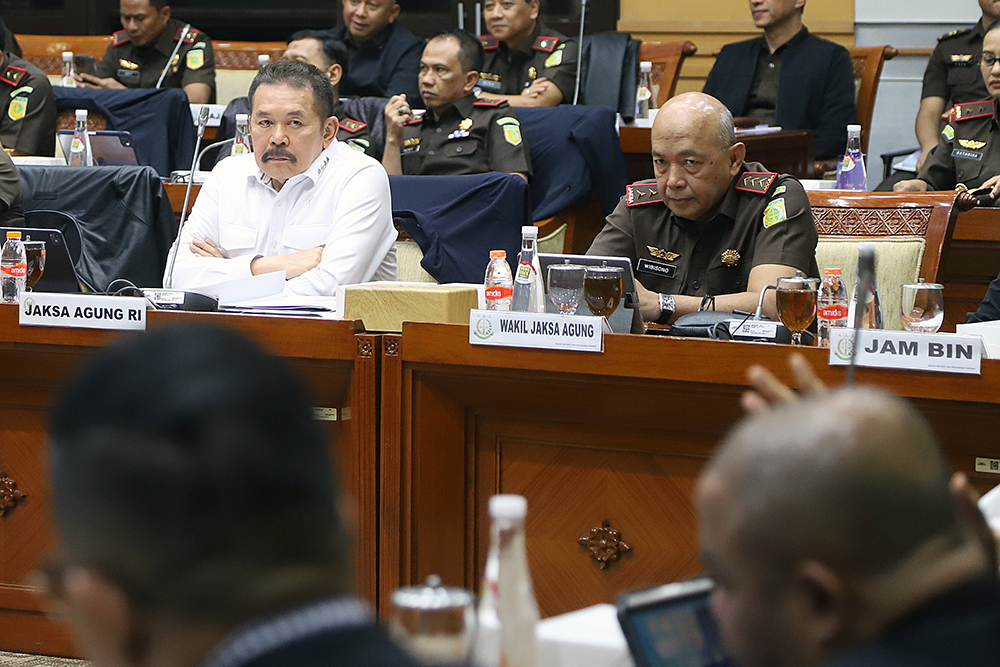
(967, 156)
(834, 540)
(202, 524)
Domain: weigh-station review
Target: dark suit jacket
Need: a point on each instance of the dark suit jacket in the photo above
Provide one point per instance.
(386, 65)
(816, 90)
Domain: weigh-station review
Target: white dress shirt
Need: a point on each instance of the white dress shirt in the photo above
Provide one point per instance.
(341, 202)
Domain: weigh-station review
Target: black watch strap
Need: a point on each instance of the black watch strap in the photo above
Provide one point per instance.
(667, 306)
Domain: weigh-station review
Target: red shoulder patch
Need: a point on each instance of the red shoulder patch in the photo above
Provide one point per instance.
(119, 38)
(756, 181)
(638, 194)
(13, 75)
(190, 37)
(489, 43)
(352, 125)
(546, 44)
(488, 103)
(974, 110)
(416, 120)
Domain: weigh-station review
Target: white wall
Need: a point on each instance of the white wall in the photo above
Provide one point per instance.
(903, 24)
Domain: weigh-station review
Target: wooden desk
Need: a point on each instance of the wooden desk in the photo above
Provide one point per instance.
(970, 263)
(339, 365)
(619, 436)
(788, 151)
(175, 192)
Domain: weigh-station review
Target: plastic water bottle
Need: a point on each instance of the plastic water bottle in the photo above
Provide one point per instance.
(529, 291)
(508, 611)
(852, 175)
(644, 93)
(241, 142)
(79, 151)
(13, 268)
(499, 281)
(68, 70)
(832, 305)
(262, 60)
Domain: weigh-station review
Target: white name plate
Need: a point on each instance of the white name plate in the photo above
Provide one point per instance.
(83, 311)
(546, 331)
(942, 353)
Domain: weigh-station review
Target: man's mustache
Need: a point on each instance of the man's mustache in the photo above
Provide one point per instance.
(278, 151)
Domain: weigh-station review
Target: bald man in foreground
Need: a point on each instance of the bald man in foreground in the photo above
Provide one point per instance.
(833, 538)
(710, 224)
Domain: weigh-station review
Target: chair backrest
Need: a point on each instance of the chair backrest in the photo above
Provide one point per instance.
(667, 58)
(66, 120)
(45, 51)
(236, 65)
(868, 61)
(911, 232)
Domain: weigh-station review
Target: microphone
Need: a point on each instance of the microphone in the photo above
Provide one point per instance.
(759, 313)
(169, 298)
(579, 50)
(180, 40)
(866, 278)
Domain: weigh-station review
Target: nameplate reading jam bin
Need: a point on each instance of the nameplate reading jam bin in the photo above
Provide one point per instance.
(83, 311)
(546, 331)
(942, 353)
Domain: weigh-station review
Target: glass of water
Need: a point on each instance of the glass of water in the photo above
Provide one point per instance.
(566, 286)
(921, 306)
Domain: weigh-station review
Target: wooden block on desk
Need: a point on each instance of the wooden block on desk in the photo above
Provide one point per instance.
(385, 306)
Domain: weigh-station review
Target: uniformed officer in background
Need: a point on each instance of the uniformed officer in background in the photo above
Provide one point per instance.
(527, 63)
(967, 154)
(11, 210)
(138, 55)
(28, 105)
(710, 224)
(952, 77)
(457, 134)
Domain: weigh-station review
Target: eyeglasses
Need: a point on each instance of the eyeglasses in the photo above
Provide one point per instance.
(987, 60)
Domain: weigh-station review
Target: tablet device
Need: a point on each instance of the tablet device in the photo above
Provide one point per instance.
(672, 626)
(111, 148)
(58, 274)
(626, 318)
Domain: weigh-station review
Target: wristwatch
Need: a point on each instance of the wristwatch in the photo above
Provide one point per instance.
(667, 305)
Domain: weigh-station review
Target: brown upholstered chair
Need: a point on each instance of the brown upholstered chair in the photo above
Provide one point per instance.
(45, 51)
(667, 58)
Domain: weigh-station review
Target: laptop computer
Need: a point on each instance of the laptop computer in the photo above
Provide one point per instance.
(626, 318)
(672, 626)
(59, 274)
(111, 148)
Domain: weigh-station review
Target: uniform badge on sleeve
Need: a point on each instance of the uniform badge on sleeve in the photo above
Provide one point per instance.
(511, 130)
(948, 132)
(195, 59)
(18, 107)
(775, 212)
(554, 59)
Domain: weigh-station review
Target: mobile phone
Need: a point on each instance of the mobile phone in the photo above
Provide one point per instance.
(84, 64)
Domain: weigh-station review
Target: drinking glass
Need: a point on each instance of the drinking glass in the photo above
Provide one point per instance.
(921, 306)
(436, 624)
(796, 298)
(34, 252)
(566, 287)
(602, 289)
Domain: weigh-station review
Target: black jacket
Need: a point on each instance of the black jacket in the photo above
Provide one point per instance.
(816, 90)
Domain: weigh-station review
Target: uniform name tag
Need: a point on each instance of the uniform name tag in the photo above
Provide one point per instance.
(657, 268)
(967, 155)
(486, 84)
(128, 76)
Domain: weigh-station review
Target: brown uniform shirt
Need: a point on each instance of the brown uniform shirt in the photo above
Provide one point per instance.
(968, 149)
(764, 218)
(544, 53)
(28, 123)
(470, 137)
(140, 66)
(953, 71)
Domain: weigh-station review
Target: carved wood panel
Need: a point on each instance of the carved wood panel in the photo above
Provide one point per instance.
(843, 221)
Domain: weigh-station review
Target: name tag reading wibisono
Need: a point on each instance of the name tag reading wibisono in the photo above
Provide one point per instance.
(942, 353)
(84, 311)
(547, 331)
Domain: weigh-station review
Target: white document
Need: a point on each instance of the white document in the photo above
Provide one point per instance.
(233, 292)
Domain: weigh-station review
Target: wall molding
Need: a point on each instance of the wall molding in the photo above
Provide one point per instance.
(741, 26)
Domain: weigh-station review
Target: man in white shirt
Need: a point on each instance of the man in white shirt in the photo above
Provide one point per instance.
(304, 203)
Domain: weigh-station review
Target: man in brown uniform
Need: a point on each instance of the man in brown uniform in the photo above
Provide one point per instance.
(457, 134)
(527, 63)
(138, 55)
(27, 108)
(11, 210)
(710, 224)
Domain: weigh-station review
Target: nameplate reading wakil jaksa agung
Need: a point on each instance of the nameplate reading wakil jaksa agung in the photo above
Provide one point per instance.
(942, 353)
(86, 311)
(547, 331)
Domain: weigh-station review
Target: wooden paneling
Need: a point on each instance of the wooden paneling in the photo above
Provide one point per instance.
(619, 436)
(971, 262)
(340, 368)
